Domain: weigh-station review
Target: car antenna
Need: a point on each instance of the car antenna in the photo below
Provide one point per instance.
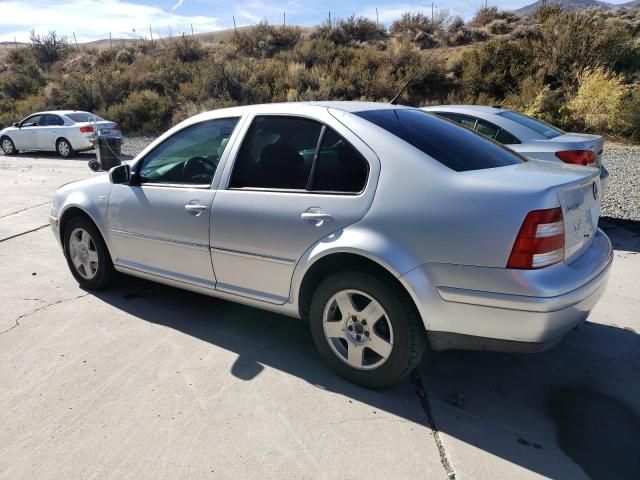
(394, 100)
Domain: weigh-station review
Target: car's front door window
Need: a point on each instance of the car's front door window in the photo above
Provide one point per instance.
(190, 156)
(33, 121)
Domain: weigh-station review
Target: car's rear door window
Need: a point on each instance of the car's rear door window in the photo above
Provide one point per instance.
(190, 156)
(299, 154)
(455, 147)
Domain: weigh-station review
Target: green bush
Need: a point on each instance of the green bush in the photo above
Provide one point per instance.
(263, 39)
(144, 111)
(351, 30)
(48, 48)
(188, 49)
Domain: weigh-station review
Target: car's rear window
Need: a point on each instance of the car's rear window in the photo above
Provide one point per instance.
(536, 125)
(454, 146)
(84, 117)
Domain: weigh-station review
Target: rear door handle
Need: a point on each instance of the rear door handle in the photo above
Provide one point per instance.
(317, 218)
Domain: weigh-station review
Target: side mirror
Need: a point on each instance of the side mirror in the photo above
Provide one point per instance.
(120, 174)
(16, 125)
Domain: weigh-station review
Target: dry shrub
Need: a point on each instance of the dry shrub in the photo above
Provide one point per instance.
(599, 104)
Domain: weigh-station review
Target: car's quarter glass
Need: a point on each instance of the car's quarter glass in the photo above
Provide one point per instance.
(484, 127)
(271, 213)
(160, 223)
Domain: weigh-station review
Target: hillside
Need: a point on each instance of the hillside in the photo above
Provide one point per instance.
(576, 70)
(571, 5)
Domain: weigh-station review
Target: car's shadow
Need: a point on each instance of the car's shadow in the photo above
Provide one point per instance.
(580, 396)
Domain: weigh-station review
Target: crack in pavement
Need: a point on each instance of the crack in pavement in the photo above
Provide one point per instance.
(424, 401)
(44, 307)
(24, 233)
(25, 209)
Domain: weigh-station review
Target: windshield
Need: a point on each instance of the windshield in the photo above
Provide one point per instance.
(80, 117)
(536, 125)
(450, 144)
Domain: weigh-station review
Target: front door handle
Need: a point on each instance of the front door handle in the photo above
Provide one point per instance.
(318, 218)
(195, 208)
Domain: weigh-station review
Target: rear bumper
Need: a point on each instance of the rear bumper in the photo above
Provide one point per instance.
(529, 313)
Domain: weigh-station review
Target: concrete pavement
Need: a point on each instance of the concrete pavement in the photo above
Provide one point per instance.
(147, 381)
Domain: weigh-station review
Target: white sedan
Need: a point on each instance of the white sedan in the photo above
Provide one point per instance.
(62, 131)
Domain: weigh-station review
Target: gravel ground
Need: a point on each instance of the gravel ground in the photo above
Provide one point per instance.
(623, 198)
(623, 162)
(134, 145)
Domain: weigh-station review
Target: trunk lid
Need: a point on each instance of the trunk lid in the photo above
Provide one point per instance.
(103, 127)
(580, 203)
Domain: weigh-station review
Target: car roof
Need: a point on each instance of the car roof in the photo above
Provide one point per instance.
(60, 112)
(466, 109)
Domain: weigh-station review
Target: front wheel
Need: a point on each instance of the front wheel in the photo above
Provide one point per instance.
(8, 146)
(64, 148)
(87, 255)
(365, 329)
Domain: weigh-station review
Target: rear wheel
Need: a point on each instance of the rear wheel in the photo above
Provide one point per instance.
(87, 255)
(366, 330)
(8, 146)
(64, 148)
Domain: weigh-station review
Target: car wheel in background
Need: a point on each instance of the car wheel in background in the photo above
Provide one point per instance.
(64, 149)
(366, 330)
(87, 255)
(8, 146)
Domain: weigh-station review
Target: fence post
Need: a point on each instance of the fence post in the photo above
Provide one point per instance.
(76, 40)
(150, 33)
(377, 20)
(192, 35)
(284, 19)
(234, 23)
(110, 43)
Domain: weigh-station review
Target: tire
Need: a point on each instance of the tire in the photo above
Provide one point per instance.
(8, 147)
(384, 350)
(87, 255)
(64, 148)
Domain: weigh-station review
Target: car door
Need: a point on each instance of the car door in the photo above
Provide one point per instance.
(26, 137)
(50, 126)
(160, 223)
(294, 181)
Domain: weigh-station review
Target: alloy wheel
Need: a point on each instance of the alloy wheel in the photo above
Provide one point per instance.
(7, 146)
(358, 329)
(83, 253)
(63, 148)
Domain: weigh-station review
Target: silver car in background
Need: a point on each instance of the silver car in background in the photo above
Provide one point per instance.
(390, 230)
(529, 136)
(62, 131)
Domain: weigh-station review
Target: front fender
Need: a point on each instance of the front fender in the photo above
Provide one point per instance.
(89, 196)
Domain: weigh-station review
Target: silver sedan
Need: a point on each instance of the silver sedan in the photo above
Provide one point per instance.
(529, 136)
(391, 230)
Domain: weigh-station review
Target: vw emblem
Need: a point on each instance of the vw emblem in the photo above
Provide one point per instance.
(595, 190)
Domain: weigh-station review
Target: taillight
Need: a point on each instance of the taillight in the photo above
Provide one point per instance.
(586, 158)
(540, 242)
(88, 129)
(116, 127)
